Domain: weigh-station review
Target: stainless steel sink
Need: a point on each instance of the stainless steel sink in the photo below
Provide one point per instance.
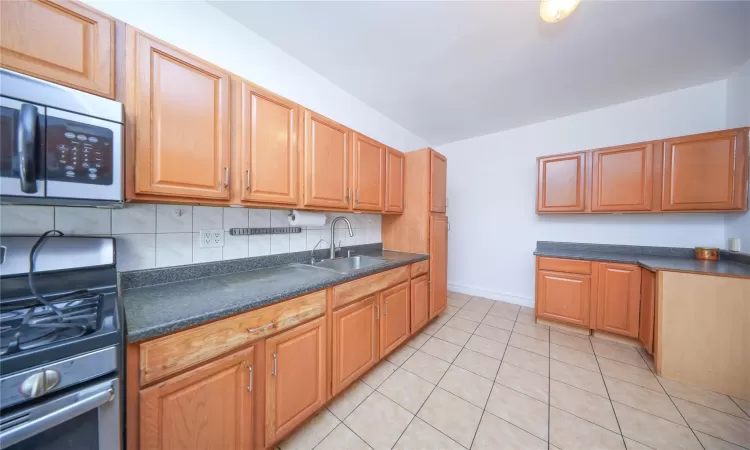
(347, 265)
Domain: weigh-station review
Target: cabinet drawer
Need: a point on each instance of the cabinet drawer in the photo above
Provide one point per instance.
(419, 268)
(169, 354)
(564, 265)
(354, 290)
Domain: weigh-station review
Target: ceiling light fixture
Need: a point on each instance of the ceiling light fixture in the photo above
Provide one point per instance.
(556, 10)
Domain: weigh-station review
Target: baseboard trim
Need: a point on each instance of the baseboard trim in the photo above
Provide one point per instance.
(493, 295)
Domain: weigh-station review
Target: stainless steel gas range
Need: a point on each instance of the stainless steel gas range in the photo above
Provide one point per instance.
(60, 343)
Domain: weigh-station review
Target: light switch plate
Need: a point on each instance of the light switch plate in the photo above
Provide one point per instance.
(212, 238)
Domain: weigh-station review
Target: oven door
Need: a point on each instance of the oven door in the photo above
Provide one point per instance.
(22, 141)
(87, 418)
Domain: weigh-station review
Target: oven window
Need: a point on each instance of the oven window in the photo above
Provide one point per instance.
(78, 433)
(8, 121)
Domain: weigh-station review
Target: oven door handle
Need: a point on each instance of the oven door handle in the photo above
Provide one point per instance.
(26, 146)
(27, 429)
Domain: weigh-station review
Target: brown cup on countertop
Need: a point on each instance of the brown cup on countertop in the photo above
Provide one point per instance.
(707, 253)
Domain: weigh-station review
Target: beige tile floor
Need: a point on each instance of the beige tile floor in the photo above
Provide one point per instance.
(484, 376)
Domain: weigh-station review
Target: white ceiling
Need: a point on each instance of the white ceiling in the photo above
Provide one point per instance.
(452, 70)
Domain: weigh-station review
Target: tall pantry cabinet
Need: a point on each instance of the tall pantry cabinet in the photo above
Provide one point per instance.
(423, 226)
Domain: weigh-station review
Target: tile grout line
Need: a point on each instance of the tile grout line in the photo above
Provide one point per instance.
(681, 415)
(489, 394)
(740, 407)
(609, 398)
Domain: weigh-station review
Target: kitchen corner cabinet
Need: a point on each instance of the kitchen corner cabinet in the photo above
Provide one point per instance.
(438, 182)
(618, 299)
(622, 178)
(181, 107)
(394, 180)
(60, 41)
(354, 347)
(438, 264)
(561, 183)
(296, 377)
(326, 156)
(368, 173)
(210, 406)
(706, 172)
(395, 309)
(420, 302)
(267, 126)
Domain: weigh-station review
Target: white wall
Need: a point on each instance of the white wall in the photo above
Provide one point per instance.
(738, 115)
(492, 191)
(208, 33)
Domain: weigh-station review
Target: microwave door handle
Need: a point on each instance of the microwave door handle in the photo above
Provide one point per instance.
(26, 147)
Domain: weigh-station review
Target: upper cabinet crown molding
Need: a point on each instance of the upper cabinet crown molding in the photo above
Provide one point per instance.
(59, 41)
(182, 114)
(702, 172)
(368, 173)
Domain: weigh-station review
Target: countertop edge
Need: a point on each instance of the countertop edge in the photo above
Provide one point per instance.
(167, 328)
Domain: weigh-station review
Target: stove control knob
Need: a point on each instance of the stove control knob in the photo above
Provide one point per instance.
(39, 383)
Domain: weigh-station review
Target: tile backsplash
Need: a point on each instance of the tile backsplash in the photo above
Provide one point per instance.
(150, 236)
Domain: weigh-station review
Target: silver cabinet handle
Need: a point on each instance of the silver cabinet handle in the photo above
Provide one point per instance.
(377, 312)
(226, 176)
(262, 327)
(250, 382)
(248, 179)
(385, 313)
(357, 195)
(273, 372)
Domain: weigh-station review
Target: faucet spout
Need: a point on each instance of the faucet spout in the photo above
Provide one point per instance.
(333, 228)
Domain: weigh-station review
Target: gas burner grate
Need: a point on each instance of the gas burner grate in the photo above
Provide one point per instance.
(69, 316)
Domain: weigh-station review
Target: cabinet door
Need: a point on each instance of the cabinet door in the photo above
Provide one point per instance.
(561, 183)
(622, 178)
(181, 122)
(326, 158)
(618, 300)
(420, 302)
(705, 172)
(60, 41)
(395, 310)
(564, 297)
(438, 264)
(438, 182)
(355, 342)
(648, 309)
(295, 377)
(368, 174)
(394, 180)
(268, 145)
(207, 407)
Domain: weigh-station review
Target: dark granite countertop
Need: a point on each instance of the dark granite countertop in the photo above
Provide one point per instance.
(152, 311)
(651, 258)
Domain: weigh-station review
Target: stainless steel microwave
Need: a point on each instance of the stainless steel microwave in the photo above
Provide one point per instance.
(58, 146)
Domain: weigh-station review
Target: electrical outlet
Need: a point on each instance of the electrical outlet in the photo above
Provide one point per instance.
(212, 238)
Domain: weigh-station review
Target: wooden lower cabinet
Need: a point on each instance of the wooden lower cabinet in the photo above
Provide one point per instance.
(355, 342)
(648, 310)
(296, 377)
(618, 299)
(394, 320)
(420, 302)
(564, 297)
(210, 406)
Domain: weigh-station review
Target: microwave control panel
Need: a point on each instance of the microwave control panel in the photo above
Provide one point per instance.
(78, 152)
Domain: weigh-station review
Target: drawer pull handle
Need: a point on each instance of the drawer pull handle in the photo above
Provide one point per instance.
(273, 372)
(377, 312)
(248, 179)
(385, 313)
(250, 383)
(226, 176)
(263, 327)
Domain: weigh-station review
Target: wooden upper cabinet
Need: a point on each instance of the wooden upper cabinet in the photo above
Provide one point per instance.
(420, 302)
(618, 299)
(296, 381)
(622, 178)
(706, 172)
(368, 174)
(267, 125)
(438, 182)
(561, 183)
(59, 41)
(210, 406)
(326, 162)
(355, 342)
(438, 264)
(394, 180)
(564, 297)
(395, 310)
(181, 109)
(648, 310)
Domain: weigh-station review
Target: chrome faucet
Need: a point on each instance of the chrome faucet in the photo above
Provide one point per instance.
(312, 252)
(333, 227)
